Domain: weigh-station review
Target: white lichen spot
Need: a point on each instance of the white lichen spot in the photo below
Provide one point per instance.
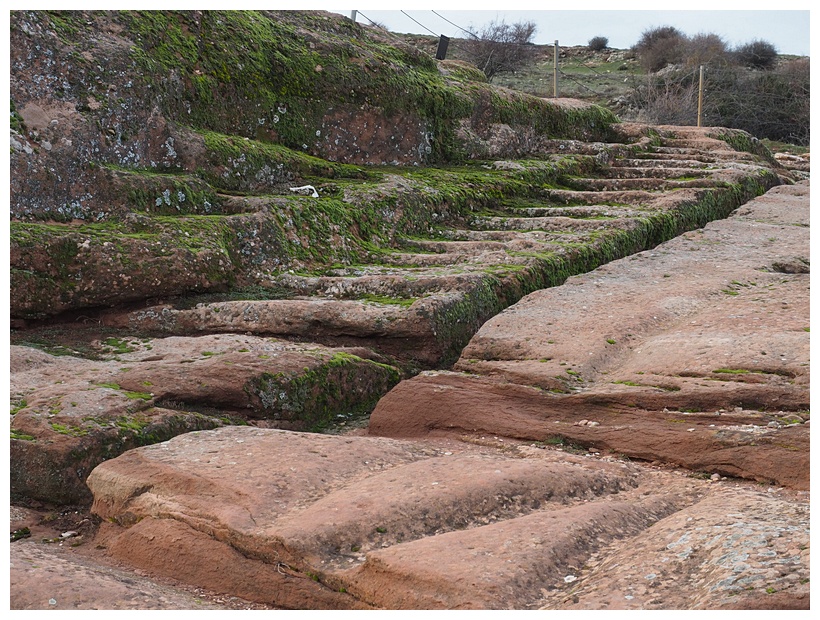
(169, 146)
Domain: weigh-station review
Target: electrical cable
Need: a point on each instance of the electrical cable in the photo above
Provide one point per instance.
(392, 35)
(568, 78)
(422, 25)
(472, 34)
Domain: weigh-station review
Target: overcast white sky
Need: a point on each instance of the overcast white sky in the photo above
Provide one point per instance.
(787, 29)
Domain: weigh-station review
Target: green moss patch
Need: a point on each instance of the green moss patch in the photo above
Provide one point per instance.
(343, 385)
(404, 302)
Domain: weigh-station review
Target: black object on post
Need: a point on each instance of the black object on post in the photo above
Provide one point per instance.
(441, 52)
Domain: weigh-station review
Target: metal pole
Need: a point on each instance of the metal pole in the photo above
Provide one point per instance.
(353, 15)
(555, 71)
(700, 95)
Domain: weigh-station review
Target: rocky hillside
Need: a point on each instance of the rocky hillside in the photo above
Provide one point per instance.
(173, 176)
(231, 228)
(172, 139)
(168, 145)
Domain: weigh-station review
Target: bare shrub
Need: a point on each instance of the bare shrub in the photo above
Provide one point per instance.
(756, 55)
(597, 44)
(379, 25)
(670, 99)
(706, 49)
(660, 47)
(500, 47)
(772, 104)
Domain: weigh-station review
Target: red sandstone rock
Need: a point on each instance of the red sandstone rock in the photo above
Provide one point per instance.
(489, 523)
(73, 413)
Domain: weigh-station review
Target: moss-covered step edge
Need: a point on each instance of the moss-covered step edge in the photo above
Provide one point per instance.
(444, 323)
(56, 268)
(457, 320)
(60, 267)
(40, 471)
(242, 168)
(345, 386)
(52, 466)
(235, 165)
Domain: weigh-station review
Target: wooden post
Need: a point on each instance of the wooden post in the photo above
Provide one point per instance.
(700, 96)
(555, 71)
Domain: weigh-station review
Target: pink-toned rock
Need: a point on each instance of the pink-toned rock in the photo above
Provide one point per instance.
(695, 353)
(728, 543)
(43, 578)
(717, 318)
(440, 404)
(72, 414)
(313, 522)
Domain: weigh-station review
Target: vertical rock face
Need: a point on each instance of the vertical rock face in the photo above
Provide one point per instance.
(92, 91)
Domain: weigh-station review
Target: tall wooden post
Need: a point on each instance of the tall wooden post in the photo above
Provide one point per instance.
(555, 71)
(700, 96)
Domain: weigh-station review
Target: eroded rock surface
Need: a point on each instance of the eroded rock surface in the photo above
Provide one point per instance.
(414, 307)
(579, 456)
(33, 563)
(493, 492)
(721, 311)
(422, 301)
(71, 414)
(694, 353)
(397, 524)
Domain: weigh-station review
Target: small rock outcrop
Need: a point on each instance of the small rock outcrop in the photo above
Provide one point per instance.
(71, 414)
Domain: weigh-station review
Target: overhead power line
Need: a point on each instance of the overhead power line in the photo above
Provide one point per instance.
(391, 34)
(422, 25)
(472, 34)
